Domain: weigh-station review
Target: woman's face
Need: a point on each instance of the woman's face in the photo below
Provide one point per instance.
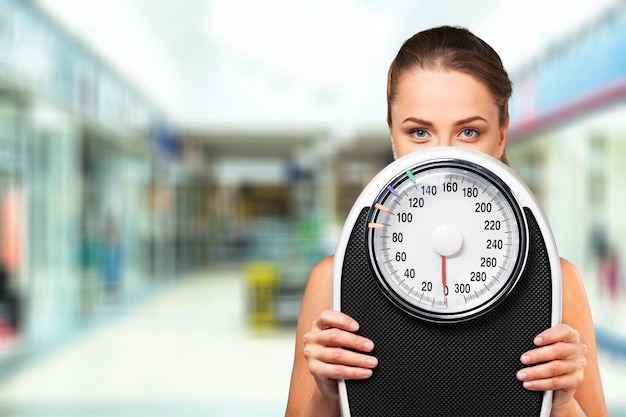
(444, 108)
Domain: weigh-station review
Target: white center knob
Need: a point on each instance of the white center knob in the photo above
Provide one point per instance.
(447, 240)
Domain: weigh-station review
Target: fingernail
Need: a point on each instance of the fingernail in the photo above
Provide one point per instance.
(354, 325)
(368, 345)
(538, 340)
(527, 384)
(521, 376)
(372, 361)
(525, 358)
(366, 373)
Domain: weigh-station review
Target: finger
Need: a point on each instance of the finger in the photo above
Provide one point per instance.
(575, 352)
(337, 338)
(340, 338)
(549, 370)
(336, 371)
(337, 319)
(552, 352)
(563, 382)
(346, 357)
(558, 333)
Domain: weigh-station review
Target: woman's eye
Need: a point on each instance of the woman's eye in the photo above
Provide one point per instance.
(419, 133)
(469, 133)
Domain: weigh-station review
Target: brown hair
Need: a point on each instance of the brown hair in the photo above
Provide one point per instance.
(453, 48)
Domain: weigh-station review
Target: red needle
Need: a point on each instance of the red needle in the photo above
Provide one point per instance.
(443, 277)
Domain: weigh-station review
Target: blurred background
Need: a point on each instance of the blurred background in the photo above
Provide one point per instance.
(171, 170)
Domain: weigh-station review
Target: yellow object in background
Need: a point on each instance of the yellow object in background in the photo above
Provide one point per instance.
(262, 280)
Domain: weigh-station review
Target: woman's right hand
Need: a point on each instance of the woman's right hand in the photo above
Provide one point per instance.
(326, 351)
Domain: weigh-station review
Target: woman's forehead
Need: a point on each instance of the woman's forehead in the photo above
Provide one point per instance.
(434, 91)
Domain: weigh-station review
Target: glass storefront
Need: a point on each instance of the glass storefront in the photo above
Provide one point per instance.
(577, 173)
(12, 197)
(81, 227)
(53, 186)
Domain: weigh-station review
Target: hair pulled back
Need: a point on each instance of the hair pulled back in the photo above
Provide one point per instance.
(452, 49)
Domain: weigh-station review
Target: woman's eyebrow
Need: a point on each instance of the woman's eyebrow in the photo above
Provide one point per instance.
(470, 120)
(417, 121)
(423, 122)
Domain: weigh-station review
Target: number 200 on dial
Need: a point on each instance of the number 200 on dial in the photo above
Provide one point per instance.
(446, 241)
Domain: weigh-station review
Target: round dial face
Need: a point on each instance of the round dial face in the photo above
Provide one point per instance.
(446, 240)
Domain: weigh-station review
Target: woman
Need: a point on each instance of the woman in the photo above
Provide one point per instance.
(446, 87)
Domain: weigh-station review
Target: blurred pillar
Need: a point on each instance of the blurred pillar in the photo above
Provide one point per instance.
(616, 191)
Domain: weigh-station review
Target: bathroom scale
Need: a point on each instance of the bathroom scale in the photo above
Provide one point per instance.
(448, 264)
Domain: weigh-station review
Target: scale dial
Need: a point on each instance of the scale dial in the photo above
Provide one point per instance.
(446, 240)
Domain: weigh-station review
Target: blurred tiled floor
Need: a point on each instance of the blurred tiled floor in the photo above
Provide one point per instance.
(184, 352)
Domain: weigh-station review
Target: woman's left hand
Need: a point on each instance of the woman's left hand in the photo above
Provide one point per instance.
(558, 363)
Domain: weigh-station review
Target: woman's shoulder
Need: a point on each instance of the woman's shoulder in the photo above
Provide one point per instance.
(317, 292)
(576, 311)
(568, 268)
(571, 278)
(325, 265)
(322, 272)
